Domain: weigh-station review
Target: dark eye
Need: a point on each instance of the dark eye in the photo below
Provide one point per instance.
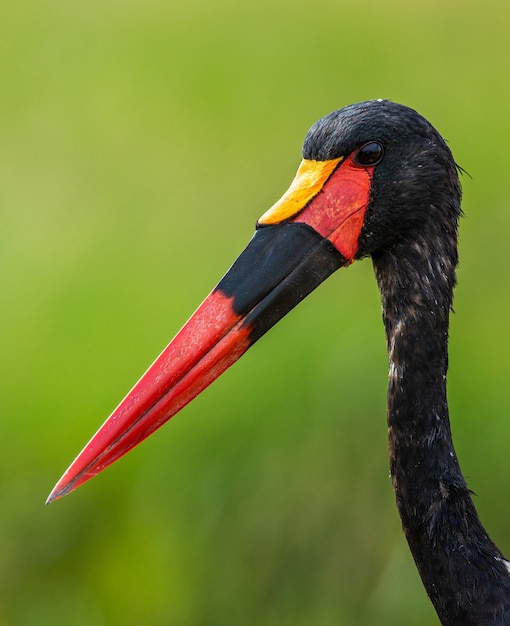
(369, 154)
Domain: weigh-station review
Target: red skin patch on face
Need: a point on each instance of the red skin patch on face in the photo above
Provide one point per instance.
(338, 211)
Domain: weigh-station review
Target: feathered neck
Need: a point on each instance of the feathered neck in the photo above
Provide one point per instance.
(463, 572)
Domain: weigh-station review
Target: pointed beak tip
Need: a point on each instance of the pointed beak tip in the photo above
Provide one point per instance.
(58, 492)
(51, 498)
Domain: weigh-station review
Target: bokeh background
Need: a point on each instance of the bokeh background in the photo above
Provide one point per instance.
(139, 142)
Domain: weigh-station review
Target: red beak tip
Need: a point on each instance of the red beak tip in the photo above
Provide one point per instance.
(57, 493)
(52, 497)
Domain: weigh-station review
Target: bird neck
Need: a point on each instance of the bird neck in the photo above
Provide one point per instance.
(462, 570)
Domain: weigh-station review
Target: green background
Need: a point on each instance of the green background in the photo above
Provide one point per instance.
(139, 143)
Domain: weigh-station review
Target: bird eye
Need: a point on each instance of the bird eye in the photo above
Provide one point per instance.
(369, 154)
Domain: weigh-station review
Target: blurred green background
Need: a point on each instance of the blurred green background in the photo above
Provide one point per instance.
(139, 142)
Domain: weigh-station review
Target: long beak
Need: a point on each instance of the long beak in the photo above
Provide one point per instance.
(283, 262)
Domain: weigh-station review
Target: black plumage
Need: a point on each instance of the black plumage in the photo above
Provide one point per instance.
(410, 231)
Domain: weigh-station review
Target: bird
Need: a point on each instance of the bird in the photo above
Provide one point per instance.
(377, 181)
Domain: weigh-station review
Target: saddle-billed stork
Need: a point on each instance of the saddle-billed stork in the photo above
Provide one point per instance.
(376, 180)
